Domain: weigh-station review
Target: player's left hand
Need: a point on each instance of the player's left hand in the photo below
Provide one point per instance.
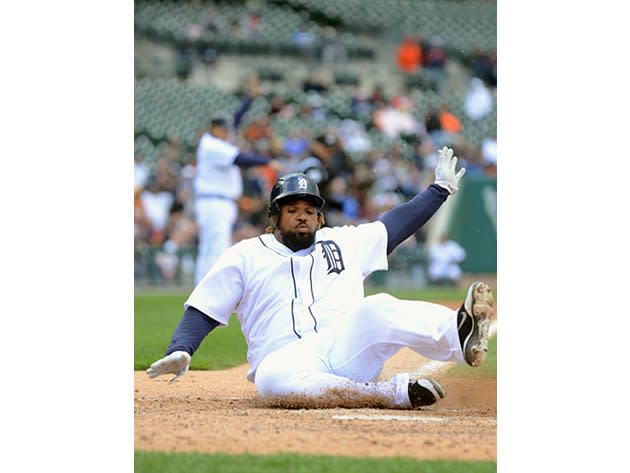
(445, 171)
(176, 363)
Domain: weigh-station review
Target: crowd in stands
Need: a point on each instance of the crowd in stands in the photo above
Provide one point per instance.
(359, 177)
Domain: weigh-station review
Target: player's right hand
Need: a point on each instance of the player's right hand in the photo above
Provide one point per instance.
(176, 363)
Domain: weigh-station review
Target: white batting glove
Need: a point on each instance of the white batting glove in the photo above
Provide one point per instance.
(445, 171)
(176, 363)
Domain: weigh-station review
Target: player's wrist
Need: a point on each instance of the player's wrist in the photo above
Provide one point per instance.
(447, 185)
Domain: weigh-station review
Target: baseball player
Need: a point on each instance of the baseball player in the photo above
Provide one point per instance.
(218, 185)
(298, 293)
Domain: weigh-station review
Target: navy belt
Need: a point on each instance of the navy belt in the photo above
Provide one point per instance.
(213, 196)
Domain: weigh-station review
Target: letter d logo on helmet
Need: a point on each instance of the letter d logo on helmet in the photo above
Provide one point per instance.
(296, 185)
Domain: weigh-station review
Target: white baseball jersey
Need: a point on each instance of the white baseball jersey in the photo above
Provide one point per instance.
(445, 259)
(280, 296)
(216, 172)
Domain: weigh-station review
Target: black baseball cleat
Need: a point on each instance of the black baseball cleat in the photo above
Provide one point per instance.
(473, 322)
(424, 392)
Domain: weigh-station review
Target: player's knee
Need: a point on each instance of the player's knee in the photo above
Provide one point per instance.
(271, 380)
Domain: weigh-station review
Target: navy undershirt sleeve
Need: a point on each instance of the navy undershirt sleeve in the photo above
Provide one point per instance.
(242, 109)
(192, 329)
(246, 159)
(405, 219)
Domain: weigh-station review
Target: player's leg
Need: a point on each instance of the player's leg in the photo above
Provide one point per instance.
(215, 219)
(343, 362)
(359, 346)
(297, 375)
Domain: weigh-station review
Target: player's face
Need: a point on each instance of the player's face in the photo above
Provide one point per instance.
(220, 132)
(297, 224)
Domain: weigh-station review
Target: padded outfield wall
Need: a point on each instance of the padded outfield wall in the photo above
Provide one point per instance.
(473, 223)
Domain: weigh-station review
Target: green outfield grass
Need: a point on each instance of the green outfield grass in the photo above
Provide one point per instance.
(155, 319)
(155, 462)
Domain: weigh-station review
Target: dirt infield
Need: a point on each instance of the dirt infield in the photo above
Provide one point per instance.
(218, 411)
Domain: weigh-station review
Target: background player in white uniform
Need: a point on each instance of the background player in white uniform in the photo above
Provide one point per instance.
(298, 293)
(218, 185)
(444, 259)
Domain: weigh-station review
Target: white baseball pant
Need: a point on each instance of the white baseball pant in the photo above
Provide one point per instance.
(350, 355)
(215, 219)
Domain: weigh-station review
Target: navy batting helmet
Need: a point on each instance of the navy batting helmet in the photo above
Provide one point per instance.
(296, 185)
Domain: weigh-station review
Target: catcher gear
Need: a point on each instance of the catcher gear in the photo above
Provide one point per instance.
(176, 363)
(297, 185)
(445, 171)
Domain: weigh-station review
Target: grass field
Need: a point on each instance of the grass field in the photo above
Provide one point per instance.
(157, 315)
(203, 463)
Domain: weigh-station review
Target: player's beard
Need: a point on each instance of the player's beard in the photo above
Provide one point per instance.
(297, 241)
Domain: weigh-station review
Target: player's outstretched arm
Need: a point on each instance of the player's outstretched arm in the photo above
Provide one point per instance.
(404, 220)
(254, 91)
(190, 332)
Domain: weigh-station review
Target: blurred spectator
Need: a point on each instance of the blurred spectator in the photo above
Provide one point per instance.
(377, 97)
(428, 152)
(329, 149)
(448, 120)
(442, 125)
(353, 136)
(141, 220)
(340, 206)
(470, 158)
(480, 64)
(489, 150)
(317, 82)
(206, 28)
(409, 55)
(306, 42)
(235, 28)
(250, 24)
(259, 132)
(156, 203)
(361, 107)
(435, 56)
(434, 60)
(333, 49)
(492, 77)
(478, 101)
(396, 119)
(180, 233)
(432, 121)
(444, 260)
(140, 171)
(297, 144)
(166, 176)
(279, 106)
(185, 60)
(314, 106)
